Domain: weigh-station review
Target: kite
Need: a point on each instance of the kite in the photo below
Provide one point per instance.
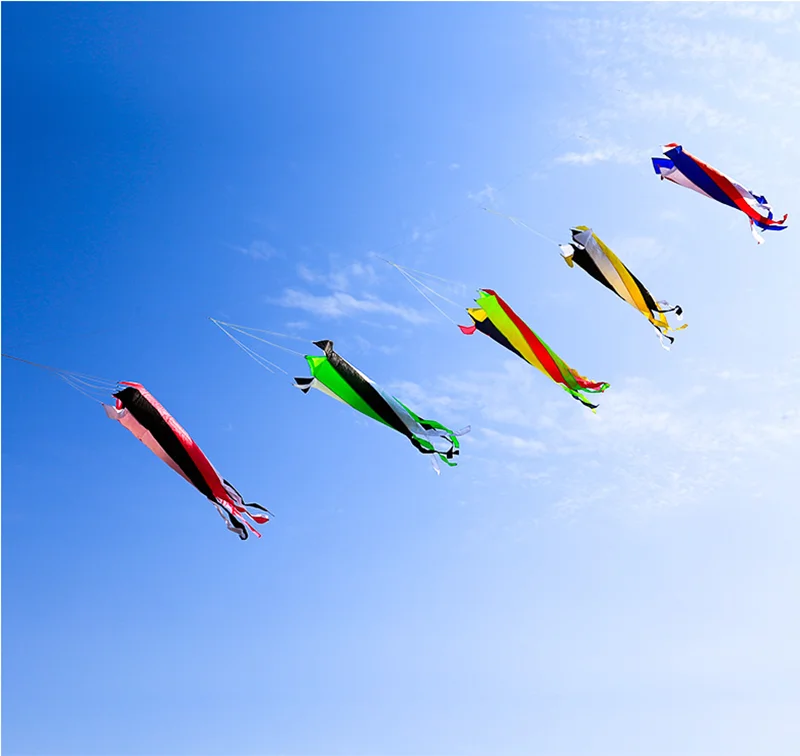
(138, 411)
(498, 321)
(333, 375)
(686, 170)
(587, 251)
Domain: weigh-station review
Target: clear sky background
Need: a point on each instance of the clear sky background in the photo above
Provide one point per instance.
(581, 585)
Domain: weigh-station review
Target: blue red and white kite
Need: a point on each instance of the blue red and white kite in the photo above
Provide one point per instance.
(682, 168)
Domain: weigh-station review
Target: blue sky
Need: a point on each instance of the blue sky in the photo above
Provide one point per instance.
(598, 585)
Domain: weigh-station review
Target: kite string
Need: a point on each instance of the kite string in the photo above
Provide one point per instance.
(101, 381)
(259, 330)
(461, 213)
(432, 291)
(522, 224)
(460, 284)
(241, 330)
(261, 360)
(70, 381)
(411, 280)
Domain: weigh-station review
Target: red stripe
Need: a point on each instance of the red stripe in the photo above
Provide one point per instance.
(531, 339)
(205, 467)
(732, 192)
(468, 330)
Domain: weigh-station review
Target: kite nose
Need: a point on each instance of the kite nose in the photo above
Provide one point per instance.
(326, 346)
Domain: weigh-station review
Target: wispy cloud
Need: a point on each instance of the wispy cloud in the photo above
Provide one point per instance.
(341, 304)
(638, 251)
(487, 195)
(257, 250)
(297, 325)
(645, 447)
(418, 234)
(453, 166)
(610, 153)
(341, 278)
(764, 13)
(365, 345)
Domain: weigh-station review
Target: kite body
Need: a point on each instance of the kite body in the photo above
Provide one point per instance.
(333, 375)
(587, 251)
(686, 170)
(138, 411)
(498, 321)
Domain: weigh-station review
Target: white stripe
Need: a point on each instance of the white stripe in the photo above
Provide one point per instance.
(606, 267)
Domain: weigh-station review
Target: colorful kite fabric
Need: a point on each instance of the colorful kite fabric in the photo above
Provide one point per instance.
(499, 322)
(138, 411)
(336, 377)
(686, 170)
(590, 253)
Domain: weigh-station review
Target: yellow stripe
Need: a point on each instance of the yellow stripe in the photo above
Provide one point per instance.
(658, 319)
(495, 313)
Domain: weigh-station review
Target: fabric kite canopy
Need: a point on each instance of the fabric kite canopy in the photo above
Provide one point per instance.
(138, 411)
(498, 321)
(685, 169)
(587, 251)
(333, 375)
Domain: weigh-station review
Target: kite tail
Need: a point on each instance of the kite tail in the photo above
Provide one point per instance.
(766, 224)
(662, 324)
(587, 386)
(666, 307)
(233, 523)
(770, 224)
(235, 507)
(590, 387)
(662, 335)
(424, 446)
(582, 399)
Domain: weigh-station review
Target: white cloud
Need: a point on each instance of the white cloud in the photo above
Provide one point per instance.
(340, 304)
(297, 325)
(339, 279)
(637, 251)
(609, 153)
(645, 447)
(367, 346)
(257, 250)
(454, 166)
(521, 447)
(766, 13)
(486, 195)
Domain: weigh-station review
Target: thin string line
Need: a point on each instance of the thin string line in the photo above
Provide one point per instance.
(103, 381)
(504, 186)
(432, 303)
(518, 222)
(272, 344)
(259, 359)
(423, 273)
(261, 330)
(432, 291)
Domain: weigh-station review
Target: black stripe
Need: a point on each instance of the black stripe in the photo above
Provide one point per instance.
(648, 298)
(150, 419)
(364, 389)
(490, 329)
(246, 503)
(584, 260)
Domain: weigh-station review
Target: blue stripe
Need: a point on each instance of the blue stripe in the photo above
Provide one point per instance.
(769, 228)
(689, 168)
(662, 163)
